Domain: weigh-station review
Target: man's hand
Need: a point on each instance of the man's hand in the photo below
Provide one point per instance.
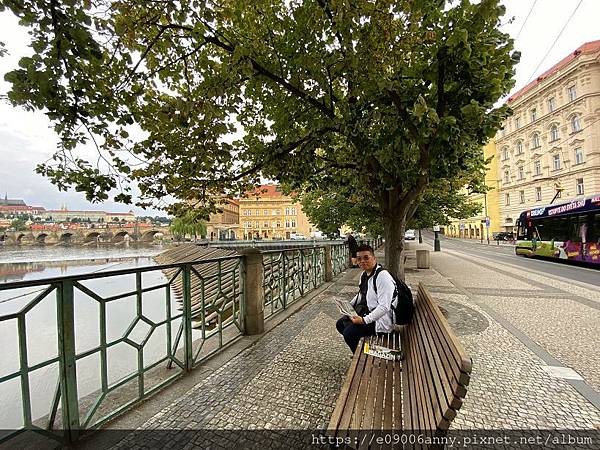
(357, 320)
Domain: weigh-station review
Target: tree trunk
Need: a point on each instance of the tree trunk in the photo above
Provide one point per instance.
(394, 225)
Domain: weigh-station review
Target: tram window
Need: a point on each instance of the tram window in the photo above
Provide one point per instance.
(594, 228)
(557, 229)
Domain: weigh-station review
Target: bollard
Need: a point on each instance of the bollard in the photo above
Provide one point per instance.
(422, 259)
(328, 264)
(253, 308)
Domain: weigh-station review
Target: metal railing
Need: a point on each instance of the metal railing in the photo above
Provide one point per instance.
(289, 275)
(79, 350)
(100, 373)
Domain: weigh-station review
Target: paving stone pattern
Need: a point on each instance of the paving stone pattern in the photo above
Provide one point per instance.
(291, 377)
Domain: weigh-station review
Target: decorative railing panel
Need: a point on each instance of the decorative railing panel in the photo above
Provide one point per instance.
(289, 275)
(339, 258)
(81, 349)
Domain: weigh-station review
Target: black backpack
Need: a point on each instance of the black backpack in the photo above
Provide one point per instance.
(405, 306)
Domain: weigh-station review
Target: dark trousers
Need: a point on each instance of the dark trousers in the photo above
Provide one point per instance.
(353, 332)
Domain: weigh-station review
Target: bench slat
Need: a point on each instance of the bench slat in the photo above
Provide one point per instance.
(454, 345)
(440, 390)
(426, 416)
(350, 399)
(451, 363)
(341, 402)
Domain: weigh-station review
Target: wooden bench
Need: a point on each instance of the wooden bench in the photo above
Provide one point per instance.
(418, 395)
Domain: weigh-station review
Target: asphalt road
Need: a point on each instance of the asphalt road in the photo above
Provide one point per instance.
(506, 254)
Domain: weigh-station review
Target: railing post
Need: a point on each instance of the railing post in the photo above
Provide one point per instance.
(67, 361)
(254, 299)
(187, 316)
(328, 264)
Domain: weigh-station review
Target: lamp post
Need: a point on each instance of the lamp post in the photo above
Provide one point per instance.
(436, 239)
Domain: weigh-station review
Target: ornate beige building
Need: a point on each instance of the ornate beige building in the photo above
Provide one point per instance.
(267, 213)
(224, 225)
(551, 144)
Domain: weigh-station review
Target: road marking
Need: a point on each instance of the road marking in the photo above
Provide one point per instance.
(562, 372)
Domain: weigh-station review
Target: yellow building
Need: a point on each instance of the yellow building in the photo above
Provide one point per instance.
(224, 225)
(476, 227)
(267, 213)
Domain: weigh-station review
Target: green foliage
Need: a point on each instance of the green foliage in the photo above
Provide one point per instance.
(188, 225)
(383, 96)
(19, 224)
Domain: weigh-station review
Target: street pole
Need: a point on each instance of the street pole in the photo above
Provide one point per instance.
(487, 227)
(420, 237)
(436, 239)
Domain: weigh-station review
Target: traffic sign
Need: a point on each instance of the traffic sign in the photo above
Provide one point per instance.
(487, 222)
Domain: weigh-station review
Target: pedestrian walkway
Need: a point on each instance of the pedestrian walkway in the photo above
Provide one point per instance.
(290, 378)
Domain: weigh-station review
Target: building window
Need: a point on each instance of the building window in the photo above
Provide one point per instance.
(293, 223)
(522, 196)
(556, 162)
(248, 224)
(538, 194)
(293, 210)
(287, 211)
(247, 212)
(507, 199)
(520, 173)
(551, 104)
(278, 224)
(533, 114)
(579, 185)
(537, 167)
(536, 140)
(575, 124)
(572, 93)
(266, 224)
(266, 212)
(506, 177)
(518, 123)
(519, 147)
(504, 154)
(578, 155)
(287, 223)
(553, 133)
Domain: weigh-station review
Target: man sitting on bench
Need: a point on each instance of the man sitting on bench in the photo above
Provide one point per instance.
(373, 306)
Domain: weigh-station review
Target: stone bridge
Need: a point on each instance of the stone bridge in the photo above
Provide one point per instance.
(84, 236)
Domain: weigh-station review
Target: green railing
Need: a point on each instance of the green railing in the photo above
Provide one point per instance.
(77, 351)
(289, 275)
(339, 258)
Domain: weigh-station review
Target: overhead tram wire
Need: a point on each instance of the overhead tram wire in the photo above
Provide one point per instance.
(526, 18)
(555, 41)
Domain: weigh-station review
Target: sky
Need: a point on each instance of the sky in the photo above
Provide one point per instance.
(543, 34)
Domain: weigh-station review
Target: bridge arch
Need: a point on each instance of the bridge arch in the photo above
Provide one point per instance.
(149, 235)
(41, 238)
(120, 236)
(66, 238)
(92, 237)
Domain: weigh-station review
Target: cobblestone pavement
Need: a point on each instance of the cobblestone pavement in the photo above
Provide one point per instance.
(291, 377)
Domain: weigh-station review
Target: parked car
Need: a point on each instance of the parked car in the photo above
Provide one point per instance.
(504, 236)
(409, 235)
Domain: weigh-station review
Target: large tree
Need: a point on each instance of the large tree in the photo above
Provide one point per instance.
(382, 95)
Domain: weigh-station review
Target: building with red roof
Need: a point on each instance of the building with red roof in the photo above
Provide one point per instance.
(551, 144)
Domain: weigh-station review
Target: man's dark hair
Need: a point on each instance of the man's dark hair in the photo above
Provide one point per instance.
(365, 248)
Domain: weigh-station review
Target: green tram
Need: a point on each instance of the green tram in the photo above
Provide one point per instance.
(568, 231)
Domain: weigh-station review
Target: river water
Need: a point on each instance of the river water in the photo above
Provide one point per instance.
(34, 263)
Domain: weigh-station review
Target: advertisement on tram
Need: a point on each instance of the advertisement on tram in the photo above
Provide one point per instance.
(568, 231)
